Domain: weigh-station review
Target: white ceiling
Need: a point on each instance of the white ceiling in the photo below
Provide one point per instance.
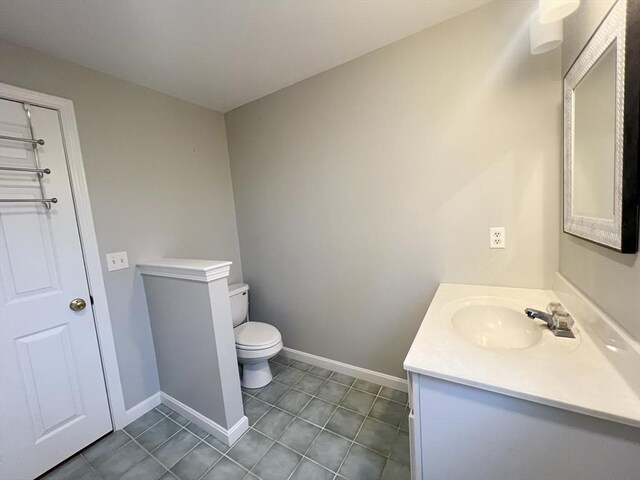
(217, 53)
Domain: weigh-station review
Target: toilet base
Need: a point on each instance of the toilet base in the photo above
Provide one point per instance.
(256, 375)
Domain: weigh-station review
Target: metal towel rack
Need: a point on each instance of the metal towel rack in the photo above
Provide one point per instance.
(40, 172)
(20, 139)
(46, 201)
(25, 169)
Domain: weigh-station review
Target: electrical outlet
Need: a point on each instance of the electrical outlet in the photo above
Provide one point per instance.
(117, 261)
(497, 237)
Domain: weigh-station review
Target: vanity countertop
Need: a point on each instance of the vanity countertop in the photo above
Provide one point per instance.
(596, 374)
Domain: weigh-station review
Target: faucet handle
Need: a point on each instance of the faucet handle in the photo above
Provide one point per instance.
(555, 307)
(562, 320)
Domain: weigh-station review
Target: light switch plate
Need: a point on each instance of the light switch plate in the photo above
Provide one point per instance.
(497, 237)
(117, 261)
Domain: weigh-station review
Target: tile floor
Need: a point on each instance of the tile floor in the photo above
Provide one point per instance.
(309, 423)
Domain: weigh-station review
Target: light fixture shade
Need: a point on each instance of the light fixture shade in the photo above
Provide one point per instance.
(554, 10)
(544, 36)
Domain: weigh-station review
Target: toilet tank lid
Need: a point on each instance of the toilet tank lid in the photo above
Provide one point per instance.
(237, 288)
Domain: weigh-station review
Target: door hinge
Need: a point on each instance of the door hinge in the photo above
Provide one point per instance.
(91, 299)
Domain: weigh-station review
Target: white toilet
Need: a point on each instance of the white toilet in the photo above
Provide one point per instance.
(256, 342)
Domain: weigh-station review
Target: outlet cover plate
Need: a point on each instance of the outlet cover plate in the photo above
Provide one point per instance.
(497, 237)
(117, 261)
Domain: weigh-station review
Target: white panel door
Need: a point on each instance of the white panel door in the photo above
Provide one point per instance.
(53, 399)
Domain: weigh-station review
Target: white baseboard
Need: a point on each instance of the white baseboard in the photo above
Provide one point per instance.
(227, 436)
(357, 372)
(143, 407)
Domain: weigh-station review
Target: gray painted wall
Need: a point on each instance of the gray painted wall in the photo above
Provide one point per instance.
(158, 175)
(610, 279)
(193, 332)
(359, 190)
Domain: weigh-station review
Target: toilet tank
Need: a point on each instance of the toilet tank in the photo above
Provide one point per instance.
(239, 299)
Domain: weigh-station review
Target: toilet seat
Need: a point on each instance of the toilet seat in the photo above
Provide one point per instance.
(256, 336)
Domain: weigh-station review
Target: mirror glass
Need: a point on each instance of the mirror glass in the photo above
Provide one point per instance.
(594, 139)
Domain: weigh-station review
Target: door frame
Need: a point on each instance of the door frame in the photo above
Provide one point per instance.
(88, 240)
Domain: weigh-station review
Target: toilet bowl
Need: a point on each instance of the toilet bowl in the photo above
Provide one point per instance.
(256, 342)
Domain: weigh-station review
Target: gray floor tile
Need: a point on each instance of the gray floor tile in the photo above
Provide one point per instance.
(387, 411)
(281, 359)
(197, 431)
(309, 384)
(121, 461)
(251, 391)
(293, 401)
(299, 435)
(342, 378)
(225, 469)
(73, 468)
(179, 419)
(400, 450)
(273, 423)
(90, 475)
(104, 448)
(217, 444)
(250, 448)
(377, 435)
(167, 476)
(158, 434)
(321, 372)
(116, 456)
(317, 411)
(254, 409)
(277, 464)
(276, 368)
(148, 469)
(164, 409)
(359, 401)
(145, 421)
(345, 422)
(405, 420)
(328, 450)
(272, 392)
(195, 463)
(332, 392)
(396, 395)
(368, 387)
(290, 376)
(305, 367)
(396, 471)
(307, 470)
(362, 464)
(175, 448)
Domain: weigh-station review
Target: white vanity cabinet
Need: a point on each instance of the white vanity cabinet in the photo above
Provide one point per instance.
(543, 412)
(459, 432)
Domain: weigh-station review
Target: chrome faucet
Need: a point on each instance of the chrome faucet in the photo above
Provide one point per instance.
(556, 318)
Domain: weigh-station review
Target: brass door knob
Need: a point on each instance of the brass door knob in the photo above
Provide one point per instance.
(77, 304)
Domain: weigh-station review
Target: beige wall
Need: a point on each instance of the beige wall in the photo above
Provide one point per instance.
(610, 279)
(159, 181)
(359, 190)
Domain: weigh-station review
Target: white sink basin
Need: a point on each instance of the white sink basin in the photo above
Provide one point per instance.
(479, 336)
(496, 327)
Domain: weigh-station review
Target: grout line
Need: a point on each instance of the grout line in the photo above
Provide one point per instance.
(338, 405)
(323, 427)
(359, 429)
(276, 439)
(182, 427)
